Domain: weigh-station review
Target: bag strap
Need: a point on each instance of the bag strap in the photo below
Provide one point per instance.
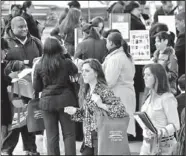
(176, 131)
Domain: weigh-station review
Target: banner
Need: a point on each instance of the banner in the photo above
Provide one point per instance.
(140, 44)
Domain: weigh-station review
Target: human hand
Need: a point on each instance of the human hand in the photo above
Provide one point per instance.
(149, 133)
(70, 110)
(96, 98)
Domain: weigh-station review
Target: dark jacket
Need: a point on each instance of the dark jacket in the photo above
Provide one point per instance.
(180, 53)
(169, 61)
(91, 48)
(160, 11)
(181, 103)
(32, 25)
(136, 23)
(19, 52)
(58, 93)
(6, 110)
(117, 7)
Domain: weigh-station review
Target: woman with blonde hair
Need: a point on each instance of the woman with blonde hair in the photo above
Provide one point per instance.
(71, 21)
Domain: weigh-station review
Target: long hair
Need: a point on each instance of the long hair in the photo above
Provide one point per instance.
(161, 80)
(96, 66)
(95, 23)
(90, 30)
(26, 5)
(118, 40)
(71, 21)
(52, 59)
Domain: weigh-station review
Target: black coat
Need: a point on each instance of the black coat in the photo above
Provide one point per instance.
(181, 103)
(159, 12)
(58, 92)
(19, 52)
(91, 48)
(6, 111)
(32, 25)
(180, 53)
(136, 23)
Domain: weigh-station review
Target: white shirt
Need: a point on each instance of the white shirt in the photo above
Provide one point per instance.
(163, 112)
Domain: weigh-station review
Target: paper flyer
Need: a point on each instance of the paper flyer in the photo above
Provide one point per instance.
(140, 44)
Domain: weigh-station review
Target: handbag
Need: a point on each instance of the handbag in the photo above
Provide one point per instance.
(176, 147)
(19, 109)
(35, 121)
(112, 135)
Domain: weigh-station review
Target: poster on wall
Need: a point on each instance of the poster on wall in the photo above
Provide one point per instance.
(122, 23)
(169, 21)
(140, 45)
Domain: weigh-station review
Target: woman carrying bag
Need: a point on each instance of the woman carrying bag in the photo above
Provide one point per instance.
(98, 98)
(161, 107)
(52, 78)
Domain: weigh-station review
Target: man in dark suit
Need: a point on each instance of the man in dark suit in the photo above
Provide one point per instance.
(180, 43)
(181, 98)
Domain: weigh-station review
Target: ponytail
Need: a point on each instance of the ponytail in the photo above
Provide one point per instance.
(126, 48)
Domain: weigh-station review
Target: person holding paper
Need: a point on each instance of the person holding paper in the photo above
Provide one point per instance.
(161, 107)
(98, 97)
(23, 48)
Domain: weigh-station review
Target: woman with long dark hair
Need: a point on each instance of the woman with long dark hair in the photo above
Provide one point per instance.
(67, 26)
(119, 71)
(161, 107)
(31, 22)
(52, 78)
(97, 98)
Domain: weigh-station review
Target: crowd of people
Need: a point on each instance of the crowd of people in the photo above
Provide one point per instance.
(108, 78)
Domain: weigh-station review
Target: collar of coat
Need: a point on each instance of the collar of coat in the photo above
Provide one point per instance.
(119, 50)
(11, 35)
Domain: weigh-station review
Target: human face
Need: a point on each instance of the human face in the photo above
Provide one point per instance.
(109, 44)
(149, 79)
(100, 26)
(89, 75)
(30, 9)
(168, 6)
(15, 11)
(160, 44)
(20, 28)
(136, 12)
(180, 25)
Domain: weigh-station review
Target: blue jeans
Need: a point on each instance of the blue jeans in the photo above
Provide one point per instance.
(51, 120)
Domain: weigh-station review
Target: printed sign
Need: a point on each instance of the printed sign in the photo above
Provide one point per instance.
(140, 44)
(169, 21)
(122, 23)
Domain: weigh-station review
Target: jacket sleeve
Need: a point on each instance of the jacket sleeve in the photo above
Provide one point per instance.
(112, 71)
(73, 70)
(79, 115)
(80, 50)
(13, 66)
(169, 104)
(172, 68)
(116, 108)
(37, 80)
